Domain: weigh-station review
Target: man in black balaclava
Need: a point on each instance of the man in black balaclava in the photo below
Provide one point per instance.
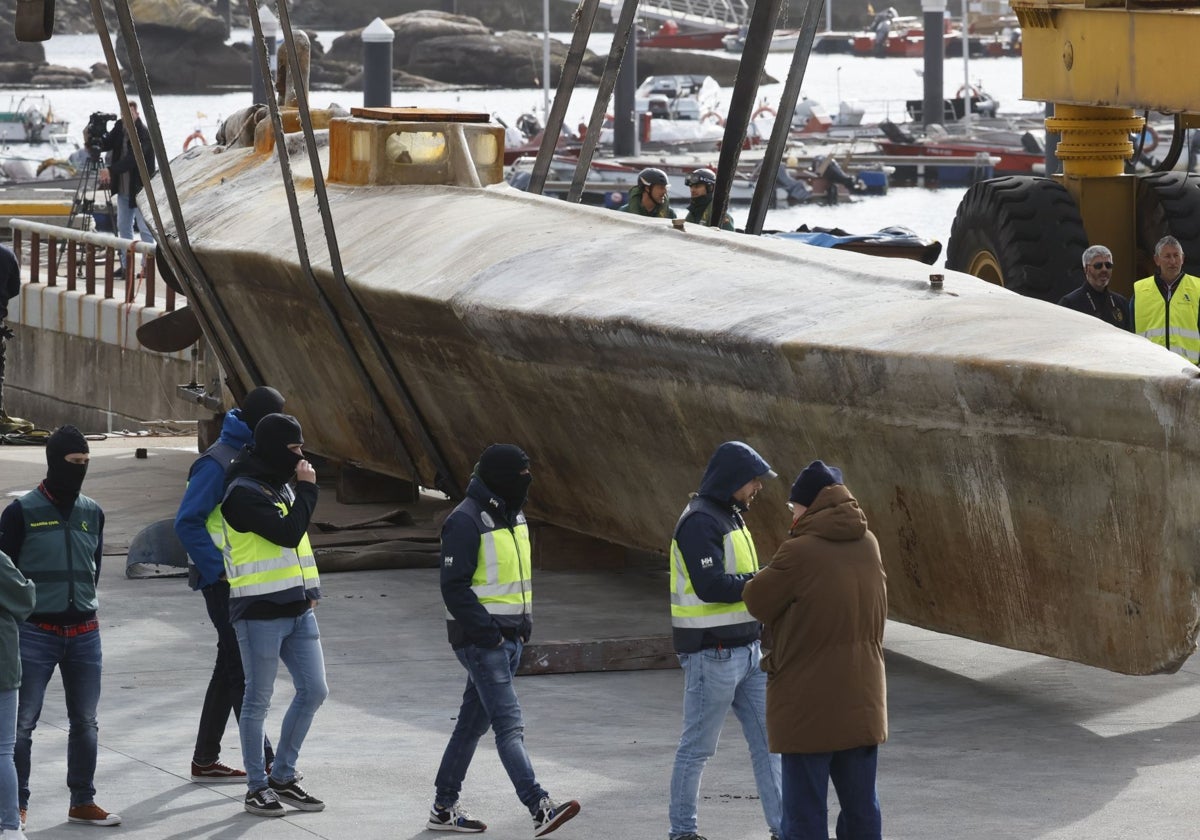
(504, 468)
(54, 535)
(273, 589)
(488, 590)
(275, 452)
(201, 530)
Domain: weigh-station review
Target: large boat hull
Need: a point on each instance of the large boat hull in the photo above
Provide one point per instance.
(1030, 472)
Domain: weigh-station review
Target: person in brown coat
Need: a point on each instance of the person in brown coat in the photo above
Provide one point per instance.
(824, 601)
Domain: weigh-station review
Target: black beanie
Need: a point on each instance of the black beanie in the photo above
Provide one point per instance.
(259, 403)
(64, 479)
(272, 437)
(812, 480)
(500, 468)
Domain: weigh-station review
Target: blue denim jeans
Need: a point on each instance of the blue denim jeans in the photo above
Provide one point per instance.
(489, 700)
(716, 680)
(127, 213)
(806, 778)
(10, 817)
(226, 686)
(79, 661)
(263, 643)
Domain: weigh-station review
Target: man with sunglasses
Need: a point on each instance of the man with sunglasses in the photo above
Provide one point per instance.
(1093, 297)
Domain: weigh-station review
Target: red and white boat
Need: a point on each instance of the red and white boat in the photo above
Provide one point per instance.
(671, 37)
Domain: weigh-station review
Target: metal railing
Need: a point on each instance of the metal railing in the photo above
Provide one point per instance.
(710, 13)
(65, 254)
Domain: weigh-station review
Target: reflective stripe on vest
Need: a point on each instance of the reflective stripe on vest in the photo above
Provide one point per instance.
(503, 580)
(1173, 327)
(256, 566)
(223, 454)
(688, 610)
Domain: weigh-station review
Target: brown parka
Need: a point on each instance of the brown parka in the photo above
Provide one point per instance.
(824, 600)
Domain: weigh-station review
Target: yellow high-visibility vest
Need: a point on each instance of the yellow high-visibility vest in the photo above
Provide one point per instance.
(1174, 327)
(255, 566)
(687, 609)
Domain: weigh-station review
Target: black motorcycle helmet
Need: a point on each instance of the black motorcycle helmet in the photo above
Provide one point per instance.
(702, 176)
(652, 177)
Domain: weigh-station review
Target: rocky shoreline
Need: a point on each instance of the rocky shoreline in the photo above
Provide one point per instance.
(183, 44)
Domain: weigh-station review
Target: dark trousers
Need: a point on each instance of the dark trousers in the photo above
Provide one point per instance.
(227, 686)
(806, 778)
(3, 346)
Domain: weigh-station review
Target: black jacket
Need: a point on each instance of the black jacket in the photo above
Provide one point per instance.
(10, 279)
(470, 622)
(1109, 307)
(123, 160)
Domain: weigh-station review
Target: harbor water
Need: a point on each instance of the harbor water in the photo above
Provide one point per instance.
(878, 85)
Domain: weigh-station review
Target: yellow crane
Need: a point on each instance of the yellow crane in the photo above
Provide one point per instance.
(1104, 65)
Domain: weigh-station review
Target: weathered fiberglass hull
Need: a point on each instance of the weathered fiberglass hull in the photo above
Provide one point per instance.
(1031, 473)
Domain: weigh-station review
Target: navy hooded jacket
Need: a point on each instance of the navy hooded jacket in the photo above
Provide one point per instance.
(701, 533)
(205, 489)
(470, 622)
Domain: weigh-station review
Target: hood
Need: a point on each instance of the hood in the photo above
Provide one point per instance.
(234, 430)
(834, 515)
(732, 465)
(488, 500)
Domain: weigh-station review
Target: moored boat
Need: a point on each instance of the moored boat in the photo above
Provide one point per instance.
(670, 35)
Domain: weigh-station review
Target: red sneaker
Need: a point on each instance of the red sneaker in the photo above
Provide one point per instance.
(92, 814)
(217, 773)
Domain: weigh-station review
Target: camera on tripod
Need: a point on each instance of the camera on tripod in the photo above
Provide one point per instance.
(96, 132)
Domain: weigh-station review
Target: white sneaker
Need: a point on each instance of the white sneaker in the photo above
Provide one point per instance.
(12, 834)
(550, 815)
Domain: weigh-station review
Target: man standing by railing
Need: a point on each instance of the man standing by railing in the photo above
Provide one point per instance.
(10, 286)
(122, 176)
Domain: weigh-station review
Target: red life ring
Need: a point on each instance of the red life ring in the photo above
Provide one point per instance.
(763, 109)
(1149, 140)
(713, 117)
(192, 138)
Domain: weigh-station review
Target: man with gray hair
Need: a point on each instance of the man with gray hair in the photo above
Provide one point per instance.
(1093, 297)
(1165, 308)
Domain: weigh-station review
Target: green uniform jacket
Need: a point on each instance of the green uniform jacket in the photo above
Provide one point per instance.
(703, 217)
(16, 604)
(664, 210)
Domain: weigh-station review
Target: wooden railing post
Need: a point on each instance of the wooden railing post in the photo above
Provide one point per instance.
(35, 259)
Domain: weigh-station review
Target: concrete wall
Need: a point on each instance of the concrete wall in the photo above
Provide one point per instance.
(76, 359)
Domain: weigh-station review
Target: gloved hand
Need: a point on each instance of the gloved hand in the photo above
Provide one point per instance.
(5, 332)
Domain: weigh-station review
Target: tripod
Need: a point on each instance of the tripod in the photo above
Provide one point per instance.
(84, 201)
(83, 205)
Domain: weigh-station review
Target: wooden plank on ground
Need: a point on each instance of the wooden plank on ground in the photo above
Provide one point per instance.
(636, 653)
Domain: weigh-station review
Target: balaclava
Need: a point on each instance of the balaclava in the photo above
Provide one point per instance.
(700, 203)
(272, 437)
(500, 468)
(64, 479)
(259, 403)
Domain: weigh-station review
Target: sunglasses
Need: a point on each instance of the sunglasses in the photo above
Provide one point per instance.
(1099, 265)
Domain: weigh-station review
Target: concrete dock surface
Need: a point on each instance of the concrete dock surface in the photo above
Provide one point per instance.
(986, 743)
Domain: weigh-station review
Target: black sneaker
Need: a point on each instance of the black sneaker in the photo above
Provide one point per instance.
(293, 795)
(453, 818)
(264, 803)
(550, 816)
